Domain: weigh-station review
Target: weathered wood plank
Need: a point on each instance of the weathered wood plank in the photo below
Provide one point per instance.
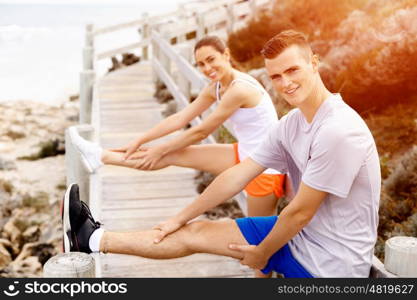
(146, 203)
(191, 266)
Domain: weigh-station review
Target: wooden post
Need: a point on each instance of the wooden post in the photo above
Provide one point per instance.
(201, 28)
(181, 38)
(70, 265)
(86, 95)
(88, 58)
(164, 59)
(89, 35)
(401, 256)
(231, 18)
(184, 84)
(145, 35)
(155, 55)
(88, 51)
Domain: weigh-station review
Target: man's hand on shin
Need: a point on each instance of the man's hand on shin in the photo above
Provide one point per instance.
(165, 228)
(253, 256)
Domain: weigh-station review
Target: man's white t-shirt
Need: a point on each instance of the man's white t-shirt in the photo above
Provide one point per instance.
(335, 153)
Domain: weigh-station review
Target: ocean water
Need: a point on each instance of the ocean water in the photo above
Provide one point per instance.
(41, 44)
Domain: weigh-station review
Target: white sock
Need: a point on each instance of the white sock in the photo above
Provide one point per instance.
(95, 238)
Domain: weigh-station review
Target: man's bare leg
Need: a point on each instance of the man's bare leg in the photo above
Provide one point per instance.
(196, 237)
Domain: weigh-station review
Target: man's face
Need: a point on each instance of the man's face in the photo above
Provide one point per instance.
(293, 74)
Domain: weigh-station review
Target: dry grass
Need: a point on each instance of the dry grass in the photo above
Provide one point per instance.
(394, 128)
(398, 209)
(368, 48)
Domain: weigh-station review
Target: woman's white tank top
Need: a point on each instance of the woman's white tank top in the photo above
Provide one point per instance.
(251, 125)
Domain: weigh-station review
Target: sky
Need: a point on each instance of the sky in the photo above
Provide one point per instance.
(35, 37)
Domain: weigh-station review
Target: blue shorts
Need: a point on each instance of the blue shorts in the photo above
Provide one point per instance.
(255, 229)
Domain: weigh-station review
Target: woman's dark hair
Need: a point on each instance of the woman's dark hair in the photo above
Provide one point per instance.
(213, 41)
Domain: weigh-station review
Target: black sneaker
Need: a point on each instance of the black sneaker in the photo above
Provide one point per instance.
(78, 223)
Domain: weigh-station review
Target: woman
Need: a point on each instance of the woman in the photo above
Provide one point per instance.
(241, 99)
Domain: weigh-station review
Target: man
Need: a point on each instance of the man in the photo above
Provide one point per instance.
(327, 230)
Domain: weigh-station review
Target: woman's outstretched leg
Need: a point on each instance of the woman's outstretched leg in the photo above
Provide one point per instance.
(213, 158)
(209, 158)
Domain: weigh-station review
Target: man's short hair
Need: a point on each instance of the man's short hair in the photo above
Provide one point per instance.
(282, 41)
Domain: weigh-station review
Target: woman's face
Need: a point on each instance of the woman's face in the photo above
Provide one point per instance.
(212, 63)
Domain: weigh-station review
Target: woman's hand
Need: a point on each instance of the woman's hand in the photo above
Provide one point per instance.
(253, 257)
(147, 158)
(166, 228)
(129, 149)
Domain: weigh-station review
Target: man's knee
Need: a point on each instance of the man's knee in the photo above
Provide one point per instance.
(195, 228)
(192, 234)
(198, 235)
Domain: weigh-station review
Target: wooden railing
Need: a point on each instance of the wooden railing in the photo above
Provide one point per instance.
(167, 41)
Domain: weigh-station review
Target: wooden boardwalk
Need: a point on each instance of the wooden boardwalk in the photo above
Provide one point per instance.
(133, 200)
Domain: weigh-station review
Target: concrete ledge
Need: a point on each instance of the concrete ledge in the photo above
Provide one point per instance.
(378, 270)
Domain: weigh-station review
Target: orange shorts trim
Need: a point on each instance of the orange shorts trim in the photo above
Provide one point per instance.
(264, 184)
(235, 149)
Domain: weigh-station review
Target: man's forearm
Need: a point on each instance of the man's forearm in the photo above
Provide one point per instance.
(287, 226)
(293, 218)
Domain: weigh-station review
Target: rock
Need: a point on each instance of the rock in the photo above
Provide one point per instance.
(37, 199)
(6, 189)
(12, 248)
(228, 209)
(34, 130)
(5, 257)
(74, 98)
(203, 179)
(403, 179)
(7, 165)
(31, 234)
(29, 267)
(46, 149)
(160, 85)
(6, 243)
(16, 132)
(17, 224)
(43, 251)
(170, 108)
(129, 59)
(163, 96)
(115, 64)
(11, 232)
(41, 218)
